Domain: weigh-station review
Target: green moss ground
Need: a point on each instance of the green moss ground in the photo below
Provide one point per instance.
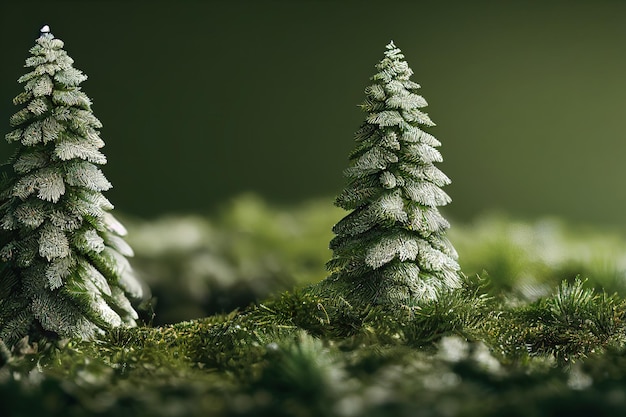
(537, 329)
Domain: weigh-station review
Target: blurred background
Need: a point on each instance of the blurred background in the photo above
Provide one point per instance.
(228, 125)
(204, 100)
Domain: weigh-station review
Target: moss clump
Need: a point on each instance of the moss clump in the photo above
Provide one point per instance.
(571, 324)
(486, 349)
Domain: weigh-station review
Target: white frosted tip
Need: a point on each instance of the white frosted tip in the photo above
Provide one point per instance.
(45, 29)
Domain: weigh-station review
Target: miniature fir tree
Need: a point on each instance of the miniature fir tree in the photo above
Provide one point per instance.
(64, 270)
(392, 246)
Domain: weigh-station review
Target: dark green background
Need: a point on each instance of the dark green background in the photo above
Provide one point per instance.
(204, 100)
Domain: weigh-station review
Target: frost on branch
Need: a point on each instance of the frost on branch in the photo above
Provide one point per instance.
(391, 247)
(64, 267)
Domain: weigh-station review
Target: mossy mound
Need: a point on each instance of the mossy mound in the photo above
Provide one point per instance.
(527, 339)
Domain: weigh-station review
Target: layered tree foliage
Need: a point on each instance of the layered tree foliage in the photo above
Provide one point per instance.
(64, 270)
(392, 246)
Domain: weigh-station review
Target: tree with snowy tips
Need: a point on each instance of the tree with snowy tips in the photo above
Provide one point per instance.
(64, 271)
(392, 247)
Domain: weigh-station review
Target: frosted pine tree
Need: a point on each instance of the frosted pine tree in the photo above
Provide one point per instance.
(392, 246)
(64, 270)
